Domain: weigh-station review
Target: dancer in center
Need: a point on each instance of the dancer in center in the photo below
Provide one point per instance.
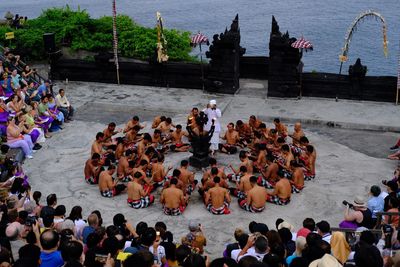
(213, 113)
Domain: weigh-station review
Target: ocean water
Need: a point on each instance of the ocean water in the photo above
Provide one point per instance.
(323, 22)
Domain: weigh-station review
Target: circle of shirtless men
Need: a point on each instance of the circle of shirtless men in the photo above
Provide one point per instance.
(270, 169)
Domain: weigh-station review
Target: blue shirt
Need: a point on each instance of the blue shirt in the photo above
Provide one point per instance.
(52, 259)
(87, 230)
(376, 204)
(42, 88)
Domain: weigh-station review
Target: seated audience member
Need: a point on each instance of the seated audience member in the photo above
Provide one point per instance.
(15, 138)
(64, 105)
(358, 216)
(376, 203)
(195, 239)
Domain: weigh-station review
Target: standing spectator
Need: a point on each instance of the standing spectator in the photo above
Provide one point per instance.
(64, 106)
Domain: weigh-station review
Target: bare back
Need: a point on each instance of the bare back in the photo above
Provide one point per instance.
(172, 197)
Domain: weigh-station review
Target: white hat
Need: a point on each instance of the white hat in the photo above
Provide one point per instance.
(213, 102)
(359, 202)
(326, 261)
(285, 224)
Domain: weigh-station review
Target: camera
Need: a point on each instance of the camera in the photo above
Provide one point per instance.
(347, 203)
(30, 220)
(387, 229)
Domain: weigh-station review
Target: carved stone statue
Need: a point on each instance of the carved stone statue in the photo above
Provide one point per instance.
(357, 74)
(224, 53)
(200, 141)
(283, 67)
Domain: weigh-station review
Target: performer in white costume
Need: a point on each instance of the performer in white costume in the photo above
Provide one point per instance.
(213, 113)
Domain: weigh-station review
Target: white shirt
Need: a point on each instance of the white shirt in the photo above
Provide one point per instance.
(160, 253)
(62, 101)
(252, 252)
(235, 253)
(327, 237)
(213, 114)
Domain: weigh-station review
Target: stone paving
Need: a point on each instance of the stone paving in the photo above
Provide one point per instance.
(342, 171)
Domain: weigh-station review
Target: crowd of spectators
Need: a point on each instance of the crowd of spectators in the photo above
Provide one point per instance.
(32, 234)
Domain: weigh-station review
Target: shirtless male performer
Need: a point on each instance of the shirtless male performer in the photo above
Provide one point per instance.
(285, 158)
(166, 127)
(176, 139)
(110, 131)
(232, 139)
(254, 123)
(124, 173)
(270, 174)
(143, 144)
(245, 132)
(108, 187)
(207, 172)
(280, 128)
(158, 172)
(255, 201)
(244, 161)
(282, 192)
(187, 177)
(297, 181)
(209, 182)
(92, 169)
(261, 160)
(243, 186)
(132, 123)
(138, 198)
(97, 146)
(297, 134)
(309, 158)
(173, 199)
(217, 198)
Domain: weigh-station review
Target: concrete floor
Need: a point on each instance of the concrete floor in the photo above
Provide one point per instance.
(349, 160)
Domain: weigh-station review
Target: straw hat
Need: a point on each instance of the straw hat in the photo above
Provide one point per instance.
(359, 202)
(326, 261)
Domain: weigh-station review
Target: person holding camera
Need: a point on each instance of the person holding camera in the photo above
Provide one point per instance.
(357, 215)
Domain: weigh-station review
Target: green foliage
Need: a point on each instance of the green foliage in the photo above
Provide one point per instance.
(75, 28)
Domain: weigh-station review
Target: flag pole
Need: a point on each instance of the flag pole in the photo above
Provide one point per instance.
(398, 79)
(115, 40)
